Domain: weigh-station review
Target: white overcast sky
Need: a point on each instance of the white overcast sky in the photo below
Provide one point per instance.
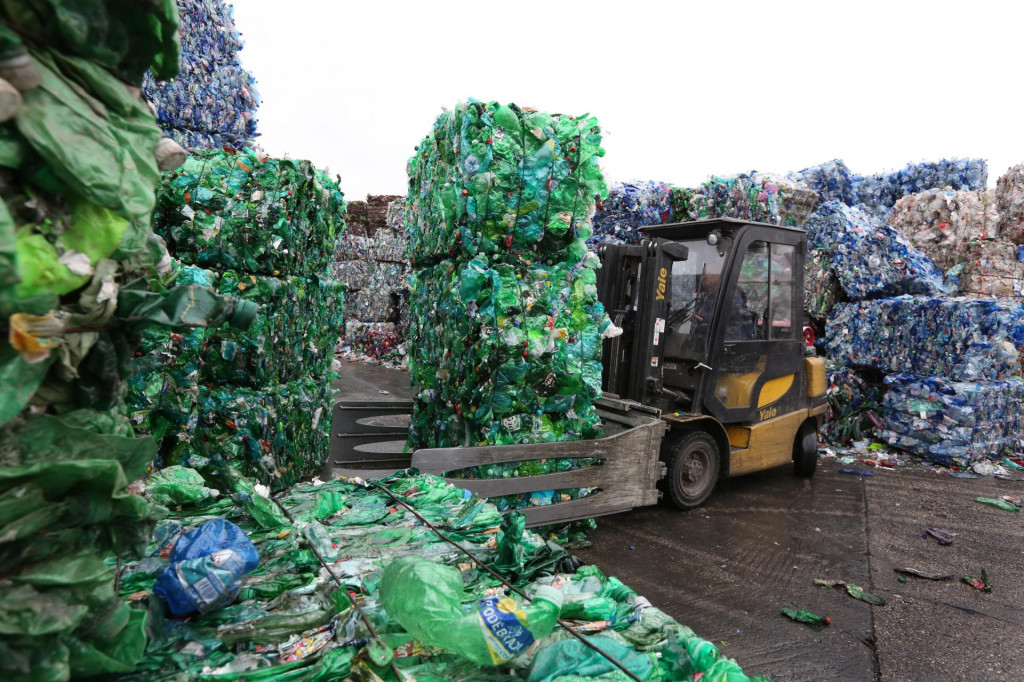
(682, 89)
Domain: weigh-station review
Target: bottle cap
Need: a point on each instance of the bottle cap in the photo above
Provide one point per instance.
(549, 594)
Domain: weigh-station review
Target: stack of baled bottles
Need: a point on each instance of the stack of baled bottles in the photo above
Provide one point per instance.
(505, 339)
(265, 230)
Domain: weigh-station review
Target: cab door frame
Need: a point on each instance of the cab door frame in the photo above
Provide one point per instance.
(784, 357)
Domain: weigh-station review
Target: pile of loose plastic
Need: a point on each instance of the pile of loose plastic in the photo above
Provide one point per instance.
(630, 206)
(870, 258)
(506, 328)
(375, 343)
(761, 197)
(960, 339)
(267, 229)
(212, 101)
(880, 191)
(953, 422)
(296, 619)
(376, 275)
(82, 276)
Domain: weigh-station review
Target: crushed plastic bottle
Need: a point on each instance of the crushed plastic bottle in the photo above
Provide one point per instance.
(805, 616)
(426, 599)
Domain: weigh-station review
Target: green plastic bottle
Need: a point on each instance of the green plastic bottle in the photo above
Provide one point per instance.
(425, 598)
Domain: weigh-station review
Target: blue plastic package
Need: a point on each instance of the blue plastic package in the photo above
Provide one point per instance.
(207, 566)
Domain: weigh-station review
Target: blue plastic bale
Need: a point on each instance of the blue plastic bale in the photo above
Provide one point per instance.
(881, 191)
(952, 422)
(870, 258)
(207, 567)
(213, 100)
(832, 181)
(962, 339)
(630, 206)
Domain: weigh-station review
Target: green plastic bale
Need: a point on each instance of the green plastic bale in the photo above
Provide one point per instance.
(498, 179)
(502, 355)
(277, 435)
(294, 335)
(242, 211)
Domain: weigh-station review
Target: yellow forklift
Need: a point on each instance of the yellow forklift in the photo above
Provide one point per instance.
(710, 379)
(712, 318)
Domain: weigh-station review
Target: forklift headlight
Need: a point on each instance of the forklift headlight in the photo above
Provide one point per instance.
(713, 238)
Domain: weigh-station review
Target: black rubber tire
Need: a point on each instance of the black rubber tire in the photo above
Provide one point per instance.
(805, 450)
(693, 465)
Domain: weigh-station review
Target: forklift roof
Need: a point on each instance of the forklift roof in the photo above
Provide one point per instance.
(700, 228)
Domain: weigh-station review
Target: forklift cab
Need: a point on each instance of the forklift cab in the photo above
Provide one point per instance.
(712, 313)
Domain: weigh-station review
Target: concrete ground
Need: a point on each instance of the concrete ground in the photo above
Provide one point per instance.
(727, 568)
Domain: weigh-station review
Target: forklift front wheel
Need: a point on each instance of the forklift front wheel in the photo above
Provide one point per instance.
(693, 466)
(805, 450)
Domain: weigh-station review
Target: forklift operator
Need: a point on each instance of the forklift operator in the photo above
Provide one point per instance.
(741, 323)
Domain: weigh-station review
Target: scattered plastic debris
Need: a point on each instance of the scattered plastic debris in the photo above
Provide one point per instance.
(981, 583)
(805, 616)
(855, 591)
(1005, 503)
(941, 536)
(917, 573)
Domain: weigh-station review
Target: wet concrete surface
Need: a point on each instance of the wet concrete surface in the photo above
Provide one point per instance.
(358, 381)
(727, 568)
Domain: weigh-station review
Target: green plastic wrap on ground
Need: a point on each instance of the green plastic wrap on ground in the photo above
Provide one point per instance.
(498, 179)
(252, 213)
(292, 622)
(294, 335)
(502, 355)
(278, 434)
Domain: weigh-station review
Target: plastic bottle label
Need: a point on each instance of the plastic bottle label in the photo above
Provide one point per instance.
(505, 635)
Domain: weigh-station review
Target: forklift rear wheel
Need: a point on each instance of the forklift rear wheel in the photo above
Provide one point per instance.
(693, 467)
(805, 450)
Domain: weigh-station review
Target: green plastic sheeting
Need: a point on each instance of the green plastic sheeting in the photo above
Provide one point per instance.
(292, 621)
(506, 329)
(64, 505)
(251, 213)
